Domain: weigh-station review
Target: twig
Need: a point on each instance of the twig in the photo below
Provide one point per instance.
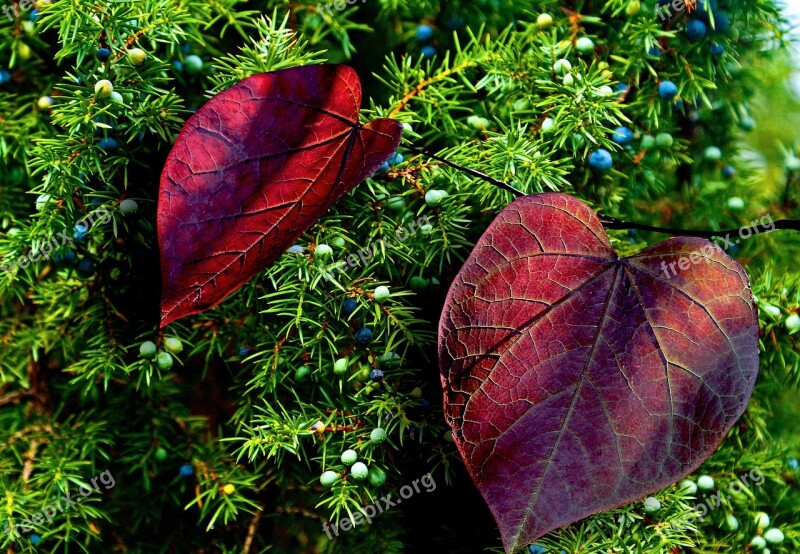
(614, 223)
(251, 531)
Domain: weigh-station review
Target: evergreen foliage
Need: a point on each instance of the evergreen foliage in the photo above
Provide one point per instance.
(220, 445)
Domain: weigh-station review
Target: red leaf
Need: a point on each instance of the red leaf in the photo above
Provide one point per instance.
(252, 170)
(576, 381)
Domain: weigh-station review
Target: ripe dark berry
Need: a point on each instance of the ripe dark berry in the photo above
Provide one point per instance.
(396, 159)
(349, 306)
(728, 171)
(363, 336)
(35, 539)
(428, 52)
(80, 231)
(721, 22)
(600, 160)
(102, 54)
(85, 268)
(376, 375)
(65, 258)
(244, 351)
(696, 30)
(667, 90)
(716, 49)
(186, 470)
(622, 136)
(108, 144)
(424, 33)
(5, 77)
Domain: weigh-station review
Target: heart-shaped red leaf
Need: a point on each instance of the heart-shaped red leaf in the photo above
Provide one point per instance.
(576, 381)
(252, 170)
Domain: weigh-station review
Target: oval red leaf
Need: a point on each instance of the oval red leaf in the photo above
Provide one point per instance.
(252, 170)
(576, 381)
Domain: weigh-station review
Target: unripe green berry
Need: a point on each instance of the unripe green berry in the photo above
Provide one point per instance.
(544, 21)
(689, 486)
(128, 206)
(434, 197)
(774, 536)
(705, 483)
(713, 154)
(584, 45)
(160, 454)
(116, 98)
(651, 505)
(193, 64)
(761, 520)
(349, 457)
(147, 349)
(792, 163)
(340, 366)
(772, 311)
(478, 122)
(664, 140)
(381, 294)
(173, 345)
(378, 435)
(164, 361)
(731, 523)
(793, 322)
(633, 8)
(377, 476)
(45, 103)
(137, 56)
(758, 543)
(548, 125)
(735, 203)
(42, 201)
(323, 251)
(359, 471)
(338, 242)
(103, 88)
(418, 284)
(396, 203)
(328, 478)
(562, 66)
(302, 372)
(648, 142)
(568, 80)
